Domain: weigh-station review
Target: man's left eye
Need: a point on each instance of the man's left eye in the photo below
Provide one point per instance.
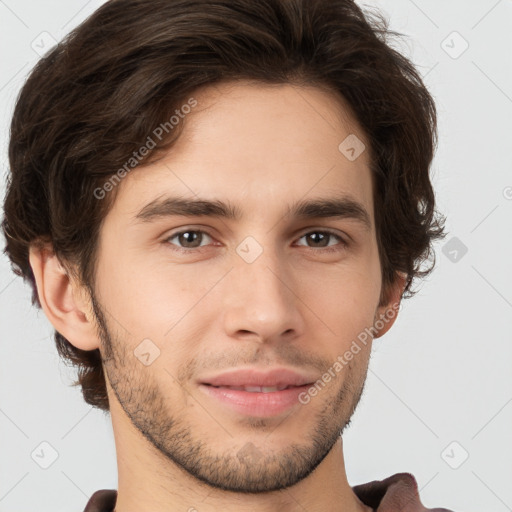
(322, 238)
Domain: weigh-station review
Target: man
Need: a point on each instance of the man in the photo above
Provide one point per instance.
(219, 205)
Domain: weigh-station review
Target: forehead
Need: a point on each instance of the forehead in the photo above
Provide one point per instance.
(257, 145)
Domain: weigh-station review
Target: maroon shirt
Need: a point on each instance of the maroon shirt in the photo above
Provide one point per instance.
(396, 493)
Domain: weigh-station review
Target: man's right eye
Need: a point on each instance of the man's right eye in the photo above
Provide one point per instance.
(188, 239)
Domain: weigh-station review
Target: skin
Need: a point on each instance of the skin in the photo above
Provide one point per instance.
(207, 310)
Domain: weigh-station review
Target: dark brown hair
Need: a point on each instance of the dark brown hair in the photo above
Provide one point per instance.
(94, 99)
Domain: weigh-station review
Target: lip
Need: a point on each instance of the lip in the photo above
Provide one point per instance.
(279, 377)
(258, 404)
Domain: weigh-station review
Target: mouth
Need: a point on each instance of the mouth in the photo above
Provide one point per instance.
(257, 389)
(256, 401)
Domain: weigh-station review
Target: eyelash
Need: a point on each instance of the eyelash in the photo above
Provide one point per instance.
(327, 249)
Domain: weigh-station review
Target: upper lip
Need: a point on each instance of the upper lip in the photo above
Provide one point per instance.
(252, 377)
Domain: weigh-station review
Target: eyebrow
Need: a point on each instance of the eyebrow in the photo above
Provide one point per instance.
(337, 207)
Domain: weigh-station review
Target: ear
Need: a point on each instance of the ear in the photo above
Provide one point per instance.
(386, 314)
(64, 302)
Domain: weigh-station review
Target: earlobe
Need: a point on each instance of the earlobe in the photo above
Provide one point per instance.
(62, 300)
(386, 314)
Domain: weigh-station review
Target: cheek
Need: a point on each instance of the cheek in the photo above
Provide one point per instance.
(149, 300)
(344, 302)
(345, 296)
(345, 305)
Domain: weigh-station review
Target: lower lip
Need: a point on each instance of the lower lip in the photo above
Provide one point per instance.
(257, 404)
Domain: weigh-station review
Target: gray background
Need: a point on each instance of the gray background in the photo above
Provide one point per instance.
(439, 386)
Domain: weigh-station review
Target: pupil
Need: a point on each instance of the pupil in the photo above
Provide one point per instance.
(320, 238)
(188, 237)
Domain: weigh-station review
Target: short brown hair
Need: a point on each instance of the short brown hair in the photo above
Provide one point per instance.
(96, 96)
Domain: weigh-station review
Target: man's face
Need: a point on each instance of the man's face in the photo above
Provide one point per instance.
(262, 291)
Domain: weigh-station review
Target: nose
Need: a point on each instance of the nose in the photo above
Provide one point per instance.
(261, 300)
